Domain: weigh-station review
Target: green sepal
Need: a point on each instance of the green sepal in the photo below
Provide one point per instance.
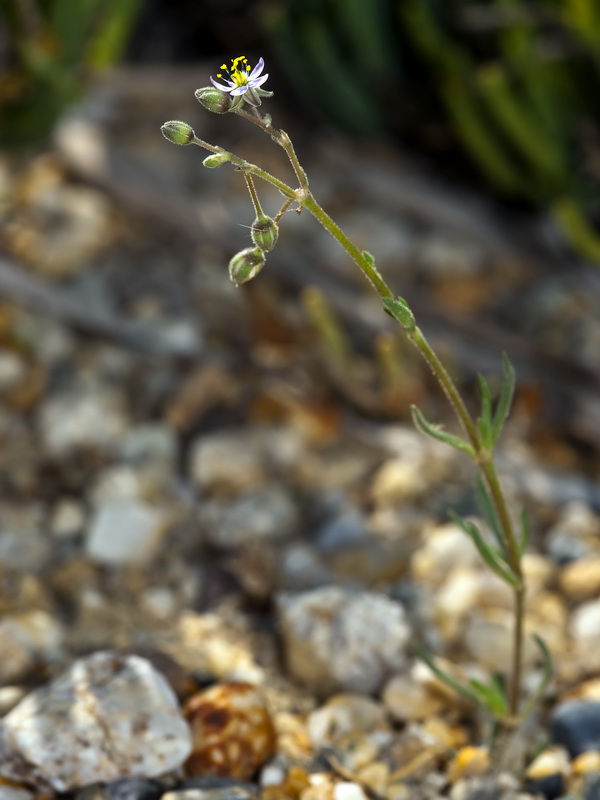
(505, 400)
(436, 432)
(490, 556)
(398, 308)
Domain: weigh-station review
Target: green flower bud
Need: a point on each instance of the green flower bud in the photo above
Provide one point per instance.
(215, 160)
(178, 132)
(246, 265)
(264, 232)
(213, 99)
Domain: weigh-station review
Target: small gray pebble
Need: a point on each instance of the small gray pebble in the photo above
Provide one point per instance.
(575, 725)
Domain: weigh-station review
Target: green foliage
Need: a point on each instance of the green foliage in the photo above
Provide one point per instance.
(516, 84)
(56, 46)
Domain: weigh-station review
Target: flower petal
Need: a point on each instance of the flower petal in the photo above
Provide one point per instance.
(259, 81)
(221, 86)
(257, 69)
(238, 90)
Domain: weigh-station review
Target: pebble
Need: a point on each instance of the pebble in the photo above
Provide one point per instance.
(229, 460)
(232, 731)
(575, 724)
(15, 793)
(468, 762)
(126, 532)
(342, 714)
(580, 580)
(23, 543)
(347, 790)
(445, 548)
(336, 639)
(266, 513)
(67, 519)
(150, 447)
(107, 717)
(407, 700)
(91, 417)
(25, 640)
(123, 789)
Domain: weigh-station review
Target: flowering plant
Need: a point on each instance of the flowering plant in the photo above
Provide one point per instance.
(479, 435)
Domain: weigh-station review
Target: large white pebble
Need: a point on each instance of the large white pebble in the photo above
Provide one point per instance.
(340, 640)
(107, 717)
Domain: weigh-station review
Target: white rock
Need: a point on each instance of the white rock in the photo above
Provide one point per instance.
(585, 623)
(346, 790)
(107, 717)
(12, 370)
(68, 518)
(266, 513)
(341, 715)
(446, 547)
(89, 417)
(339, 640)
(124, 533)
(14, 793)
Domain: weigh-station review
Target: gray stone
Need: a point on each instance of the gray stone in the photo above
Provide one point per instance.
(339, 640)
(107, 717)
(125, 532)
(266, 513)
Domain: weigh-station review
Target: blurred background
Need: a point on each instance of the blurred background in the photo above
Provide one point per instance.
(177, 454)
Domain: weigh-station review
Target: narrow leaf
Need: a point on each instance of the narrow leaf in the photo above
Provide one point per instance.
(486, 401)
(506, 396)
(525, 532)
(436, 432)
(493, 696)
(461, 688)
(490, 557)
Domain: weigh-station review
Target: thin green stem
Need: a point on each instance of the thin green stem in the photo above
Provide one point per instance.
(366, 265)
(251, 169)
(253, 194)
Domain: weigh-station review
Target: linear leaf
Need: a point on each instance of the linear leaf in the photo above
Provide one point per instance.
(505, 400)
(525, 532)
(490, 557)
(461, 688)
(436, 432)
(484, 423)
(493, 696)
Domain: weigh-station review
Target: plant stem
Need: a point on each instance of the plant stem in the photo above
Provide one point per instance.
(253, 194)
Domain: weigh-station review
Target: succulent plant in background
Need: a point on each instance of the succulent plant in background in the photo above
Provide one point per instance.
(515, 84)
(53, 47)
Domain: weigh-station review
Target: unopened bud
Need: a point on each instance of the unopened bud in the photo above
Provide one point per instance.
(246, 265)
(264, 232)
(213, 99)
(215, 160)
(178, 132)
